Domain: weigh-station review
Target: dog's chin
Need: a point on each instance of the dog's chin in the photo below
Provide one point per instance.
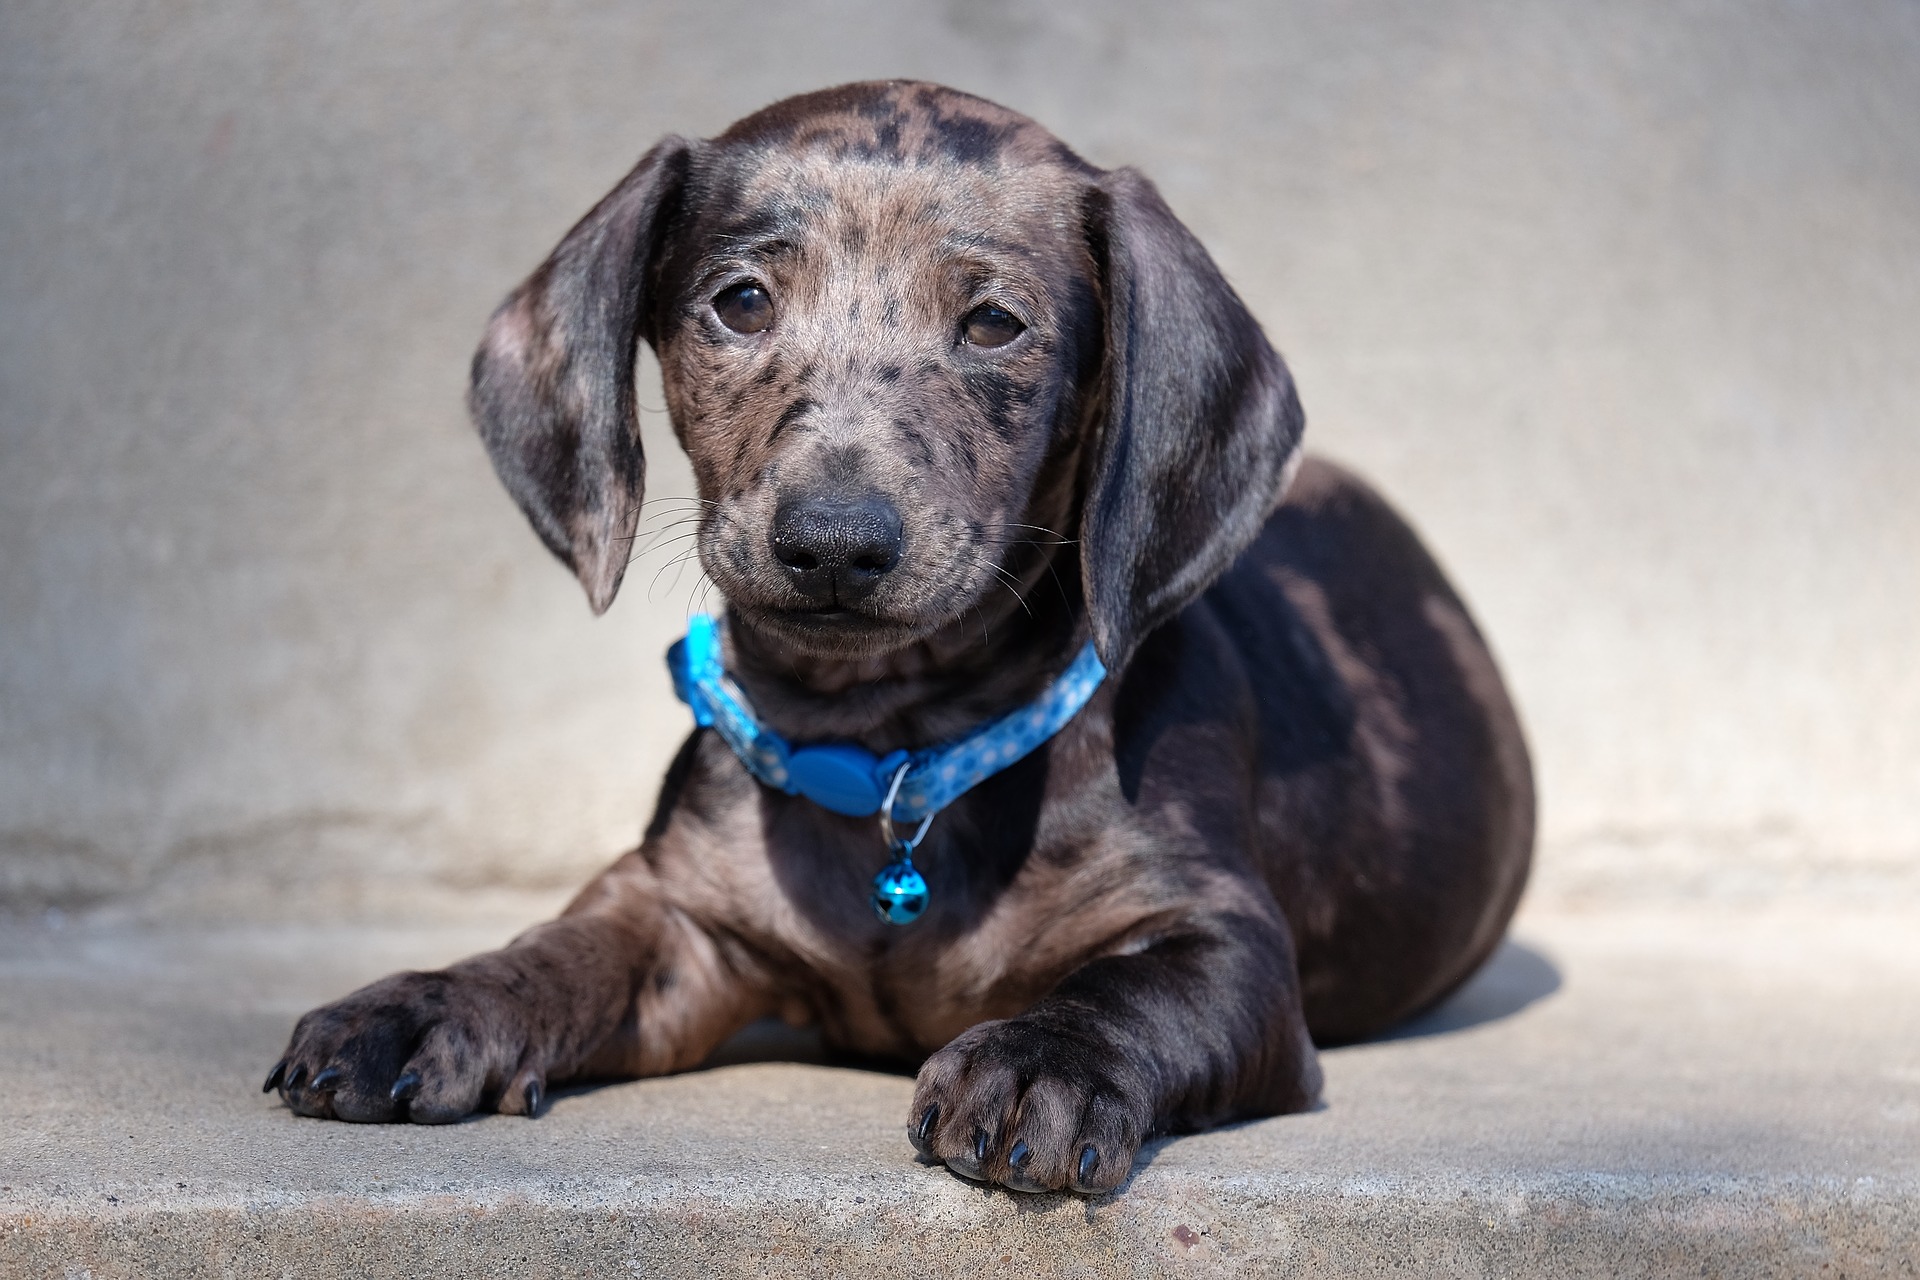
(848, 634)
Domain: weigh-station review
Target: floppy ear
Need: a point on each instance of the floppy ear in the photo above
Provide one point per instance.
(1202, 429)
(552, 389)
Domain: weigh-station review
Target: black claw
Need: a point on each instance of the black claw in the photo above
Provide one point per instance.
(533, 1098)
(406, 1088)
(927, 1121)
(325, 1079)
(273, 1076)
(1089, 1161)
(980, 1145)
(295, 1076)
(1018, 1157)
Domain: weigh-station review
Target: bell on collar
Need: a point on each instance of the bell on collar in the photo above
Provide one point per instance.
(899, 893)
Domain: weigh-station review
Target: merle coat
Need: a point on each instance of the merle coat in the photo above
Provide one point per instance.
(958, 401)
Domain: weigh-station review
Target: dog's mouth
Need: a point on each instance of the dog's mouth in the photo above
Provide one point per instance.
(826, 615)
(830, 630)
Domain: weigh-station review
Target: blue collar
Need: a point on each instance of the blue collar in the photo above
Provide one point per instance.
(850, 779)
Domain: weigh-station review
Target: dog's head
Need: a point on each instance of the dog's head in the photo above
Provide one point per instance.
(899, 328)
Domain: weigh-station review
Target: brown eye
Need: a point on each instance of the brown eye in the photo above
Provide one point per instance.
(990, 326)
(744, 308)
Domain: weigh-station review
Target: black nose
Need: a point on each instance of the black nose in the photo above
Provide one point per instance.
(836, 550)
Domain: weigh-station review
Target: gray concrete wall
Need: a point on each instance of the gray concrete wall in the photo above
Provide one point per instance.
(1620, 302)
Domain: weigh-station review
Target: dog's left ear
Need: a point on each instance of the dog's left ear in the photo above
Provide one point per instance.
(1202, 426)
(552, 389)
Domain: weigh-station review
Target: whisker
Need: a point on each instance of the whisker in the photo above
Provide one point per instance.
(661, 545)
(1012, 584)
(1058, 585)
(974, 609)
(660, 540)
(702, 606)
(654, 523)
(1026, 542)
(695, 518)
(680, 570)
(677, 562)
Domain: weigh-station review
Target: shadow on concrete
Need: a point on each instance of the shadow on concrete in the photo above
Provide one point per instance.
(1516, 976)
(768, 1040)
(771, 1040)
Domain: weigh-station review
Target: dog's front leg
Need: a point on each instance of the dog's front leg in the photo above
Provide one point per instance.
(621, 984)
(1198, 1027)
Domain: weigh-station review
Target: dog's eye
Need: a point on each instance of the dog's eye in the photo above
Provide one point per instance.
(744, 308)
(990, 326)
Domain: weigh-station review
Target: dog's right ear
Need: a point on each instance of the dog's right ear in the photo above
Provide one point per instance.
(552, 390)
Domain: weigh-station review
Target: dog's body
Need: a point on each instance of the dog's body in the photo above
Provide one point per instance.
(906, 336)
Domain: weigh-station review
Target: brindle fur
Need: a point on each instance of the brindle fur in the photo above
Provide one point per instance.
(1301, 808)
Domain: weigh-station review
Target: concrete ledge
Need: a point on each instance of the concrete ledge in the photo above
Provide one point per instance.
(1620, 1093)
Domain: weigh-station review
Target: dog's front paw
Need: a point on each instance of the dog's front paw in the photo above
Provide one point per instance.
(427, 1047)
(1029, 1107)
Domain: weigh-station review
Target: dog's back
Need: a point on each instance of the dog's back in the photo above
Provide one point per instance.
(1396, 799)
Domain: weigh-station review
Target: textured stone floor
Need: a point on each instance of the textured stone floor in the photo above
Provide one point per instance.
(1622, 1092)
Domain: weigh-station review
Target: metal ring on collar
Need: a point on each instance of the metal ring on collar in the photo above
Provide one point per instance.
(886, 814)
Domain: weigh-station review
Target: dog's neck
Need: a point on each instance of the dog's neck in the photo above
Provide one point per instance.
(1001, 652)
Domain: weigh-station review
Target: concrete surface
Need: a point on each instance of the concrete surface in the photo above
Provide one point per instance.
(1621, 1093)
(1618, 302)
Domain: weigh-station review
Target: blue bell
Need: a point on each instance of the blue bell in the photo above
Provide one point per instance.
(899, 893)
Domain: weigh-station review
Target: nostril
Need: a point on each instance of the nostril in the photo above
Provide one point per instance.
(798, 558)
(875, 561)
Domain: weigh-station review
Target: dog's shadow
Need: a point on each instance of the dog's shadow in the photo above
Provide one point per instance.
(771, 1040)
(1514, 977)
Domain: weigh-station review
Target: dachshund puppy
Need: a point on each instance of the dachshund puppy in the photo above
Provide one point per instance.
(962, 406)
